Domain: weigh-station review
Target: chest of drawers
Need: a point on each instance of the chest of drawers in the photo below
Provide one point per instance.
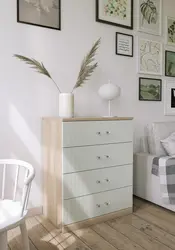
(87, 169)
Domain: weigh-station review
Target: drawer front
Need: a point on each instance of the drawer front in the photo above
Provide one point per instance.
(94, 157)
(99, 132)
(83, 208)
(89, 182)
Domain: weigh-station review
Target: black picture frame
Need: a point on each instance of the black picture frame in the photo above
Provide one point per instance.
(150, 79)
(42, 26)
(166, 63)
(132, 46)
(115, 24)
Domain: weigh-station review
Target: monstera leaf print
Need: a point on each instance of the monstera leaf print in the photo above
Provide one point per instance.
(149, 12)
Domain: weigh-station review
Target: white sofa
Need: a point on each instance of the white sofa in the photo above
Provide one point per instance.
(147, 185)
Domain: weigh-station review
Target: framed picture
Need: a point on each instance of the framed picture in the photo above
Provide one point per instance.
(170, 63)
(169, 98)
(170, 31)
(45, 14)
(150, 16)
(150, 57)
(115, 12)
(150, 89)
(124, 44)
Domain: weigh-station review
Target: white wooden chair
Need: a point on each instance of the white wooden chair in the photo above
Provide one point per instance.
(13, 212)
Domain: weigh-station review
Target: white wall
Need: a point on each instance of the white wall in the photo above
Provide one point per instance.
(25, 96)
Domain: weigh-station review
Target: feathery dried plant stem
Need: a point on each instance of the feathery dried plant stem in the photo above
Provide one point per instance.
(39, 67)
(87, 68)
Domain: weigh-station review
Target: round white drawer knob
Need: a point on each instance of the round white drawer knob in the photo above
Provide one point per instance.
(107, 203)
(98, 133)
(98, 182)
(107, 180)
(98, 205)
(98, 157)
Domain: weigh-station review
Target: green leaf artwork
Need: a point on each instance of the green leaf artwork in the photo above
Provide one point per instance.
(116, 8)
(149, 12)
(171, 30)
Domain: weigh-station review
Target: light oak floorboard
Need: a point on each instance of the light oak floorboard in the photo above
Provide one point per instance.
(73, 243)
(149, 228)
(114, 237)
(93, 240)
(56, 233)
(39, 235)
(165, 225)
(15, 240)
(137, 236)
(159, 212)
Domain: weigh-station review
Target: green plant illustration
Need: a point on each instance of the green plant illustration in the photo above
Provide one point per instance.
(86, 69)
(116, 8)
(149, 12)
(171, 31)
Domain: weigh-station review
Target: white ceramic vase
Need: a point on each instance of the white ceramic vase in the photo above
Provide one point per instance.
(66, 105)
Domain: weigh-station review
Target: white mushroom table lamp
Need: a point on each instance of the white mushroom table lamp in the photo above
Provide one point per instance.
(109, 92)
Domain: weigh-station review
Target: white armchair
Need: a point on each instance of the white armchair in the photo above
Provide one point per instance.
(13, 212)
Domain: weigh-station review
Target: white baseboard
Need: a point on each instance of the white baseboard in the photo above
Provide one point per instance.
(35, 211)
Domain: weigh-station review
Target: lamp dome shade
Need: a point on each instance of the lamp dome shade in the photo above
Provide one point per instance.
(109, 91)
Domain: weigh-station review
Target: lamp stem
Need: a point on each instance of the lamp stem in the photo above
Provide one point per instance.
(109, 108)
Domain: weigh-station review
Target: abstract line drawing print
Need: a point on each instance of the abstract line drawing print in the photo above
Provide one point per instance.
(150, 57)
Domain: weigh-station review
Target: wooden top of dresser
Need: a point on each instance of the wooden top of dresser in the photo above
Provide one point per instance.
(78, 119)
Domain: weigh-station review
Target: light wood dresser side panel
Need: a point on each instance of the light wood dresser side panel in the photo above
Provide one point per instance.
(52, 161)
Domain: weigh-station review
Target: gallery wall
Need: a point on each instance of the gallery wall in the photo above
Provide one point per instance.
(26, 97)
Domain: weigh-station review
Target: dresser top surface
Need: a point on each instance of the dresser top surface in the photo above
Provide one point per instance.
(77, 119)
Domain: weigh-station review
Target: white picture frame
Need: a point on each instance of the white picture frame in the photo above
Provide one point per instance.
(150, 22)
(169, 101)
(150, 57)
(169, 22)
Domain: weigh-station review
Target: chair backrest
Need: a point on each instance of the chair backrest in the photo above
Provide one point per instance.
(29, 176)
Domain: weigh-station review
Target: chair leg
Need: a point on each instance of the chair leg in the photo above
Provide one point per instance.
(3, 241)
(25, 239)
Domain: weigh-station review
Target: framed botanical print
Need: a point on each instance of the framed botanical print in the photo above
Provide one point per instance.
(150, 16)
(169, 98)
(150, 57)
(115, 12)
(170, 31)
(170, 63)
(45, 14)
(150, 89)
(124, 44)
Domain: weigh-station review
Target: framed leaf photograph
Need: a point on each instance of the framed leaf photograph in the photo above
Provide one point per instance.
(150, 16)
(45, 14)
(115, 12)
(170, 63)
(170, 31)
(150, 89)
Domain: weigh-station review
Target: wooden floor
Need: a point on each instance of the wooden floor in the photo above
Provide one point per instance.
(150, 227)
